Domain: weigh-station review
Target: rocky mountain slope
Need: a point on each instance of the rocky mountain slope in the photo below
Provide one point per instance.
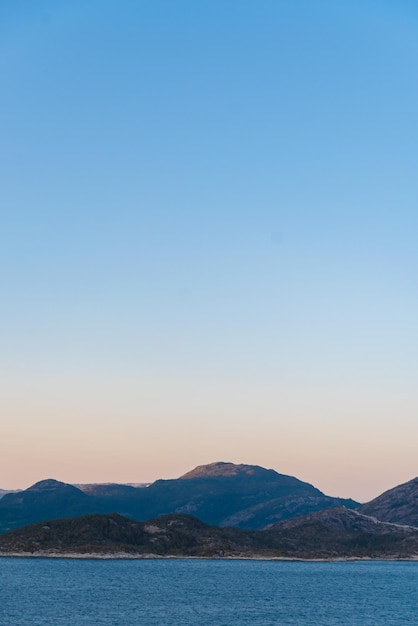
(222, 494)
(398, 505)
(337, 533)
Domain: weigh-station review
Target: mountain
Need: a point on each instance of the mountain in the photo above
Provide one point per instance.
(221, 494)
(339, 533)
(398, 505)
(225, 494)
(331, 534)
(45, 499)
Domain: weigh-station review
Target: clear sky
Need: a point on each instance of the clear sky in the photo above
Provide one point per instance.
(208, 239)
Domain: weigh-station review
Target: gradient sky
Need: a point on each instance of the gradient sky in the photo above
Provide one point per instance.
(208, 242)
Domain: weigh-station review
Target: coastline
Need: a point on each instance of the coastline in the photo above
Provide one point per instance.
(127, 556)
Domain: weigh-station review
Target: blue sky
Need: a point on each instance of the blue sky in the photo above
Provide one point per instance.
(208, 243)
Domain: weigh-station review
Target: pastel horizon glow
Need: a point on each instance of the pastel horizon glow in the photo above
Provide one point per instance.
(208, 243)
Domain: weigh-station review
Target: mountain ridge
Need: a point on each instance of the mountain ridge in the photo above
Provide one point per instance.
(221, 494)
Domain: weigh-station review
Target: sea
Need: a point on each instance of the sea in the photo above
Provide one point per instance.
(193, 592)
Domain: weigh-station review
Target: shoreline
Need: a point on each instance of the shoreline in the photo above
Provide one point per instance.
(126, 556)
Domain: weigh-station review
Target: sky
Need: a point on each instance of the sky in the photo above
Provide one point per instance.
(208, 240)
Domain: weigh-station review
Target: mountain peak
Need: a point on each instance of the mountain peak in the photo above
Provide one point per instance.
(224, 469)
(49, 484)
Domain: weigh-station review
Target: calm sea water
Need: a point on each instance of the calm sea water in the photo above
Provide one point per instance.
(200, 593)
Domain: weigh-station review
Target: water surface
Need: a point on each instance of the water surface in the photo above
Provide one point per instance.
(38, 592)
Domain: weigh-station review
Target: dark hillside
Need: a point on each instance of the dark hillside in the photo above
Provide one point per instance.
(398, 505)
(171, 535)
(44, 500)
(336, 533)
(342, 533)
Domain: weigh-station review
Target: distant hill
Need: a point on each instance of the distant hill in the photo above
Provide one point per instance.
(221, 494)
(45, 499)
(109, 489)
(336, 533)
(3, 492)
(397, 505)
